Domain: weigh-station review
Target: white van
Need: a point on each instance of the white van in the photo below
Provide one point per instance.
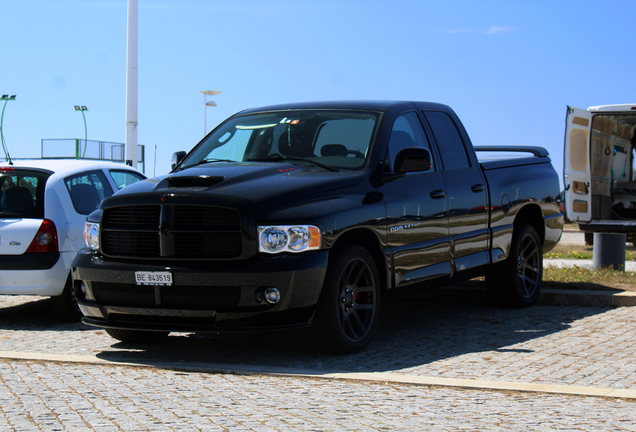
(599, 169)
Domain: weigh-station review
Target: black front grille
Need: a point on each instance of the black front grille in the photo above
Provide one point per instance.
(175, 232)
(211, 245)
(132, 217)
(142, 244)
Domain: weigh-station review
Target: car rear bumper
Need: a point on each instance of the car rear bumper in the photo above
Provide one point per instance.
(213, 297)
(29, 261)
(24, 278)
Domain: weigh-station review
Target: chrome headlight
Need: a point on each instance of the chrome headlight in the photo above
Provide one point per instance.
(288, 238)
(91, 236)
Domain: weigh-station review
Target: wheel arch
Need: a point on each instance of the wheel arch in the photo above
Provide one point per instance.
(531, 215)
(370, 241)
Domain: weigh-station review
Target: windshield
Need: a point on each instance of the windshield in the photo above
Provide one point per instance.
(336, 139)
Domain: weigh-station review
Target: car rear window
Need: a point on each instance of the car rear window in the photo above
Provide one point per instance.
(22, 193)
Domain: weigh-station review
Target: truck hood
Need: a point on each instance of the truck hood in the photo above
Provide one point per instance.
(240, 185)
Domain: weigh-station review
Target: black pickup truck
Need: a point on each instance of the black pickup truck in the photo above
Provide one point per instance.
(311, 215)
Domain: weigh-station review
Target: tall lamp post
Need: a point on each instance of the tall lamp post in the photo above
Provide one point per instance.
(206, 104)
(77, 148)
(5, 98)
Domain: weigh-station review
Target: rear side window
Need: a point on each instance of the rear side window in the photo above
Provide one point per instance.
(125, 178)
(451, 146)
(22, 194)
(87, 190)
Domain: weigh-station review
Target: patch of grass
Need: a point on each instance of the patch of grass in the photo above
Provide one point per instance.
(583, 252)
(589, 279)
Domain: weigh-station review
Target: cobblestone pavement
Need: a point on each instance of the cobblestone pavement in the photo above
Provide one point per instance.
(574, 346)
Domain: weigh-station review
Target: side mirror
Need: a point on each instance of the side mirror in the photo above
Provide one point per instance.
(176, 158)
(412, 159)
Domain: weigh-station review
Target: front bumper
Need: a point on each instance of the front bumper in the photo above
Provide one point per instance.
(209, 296)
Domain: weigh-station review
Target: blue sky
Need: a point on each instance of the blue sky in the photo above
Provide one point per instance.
(508, 68)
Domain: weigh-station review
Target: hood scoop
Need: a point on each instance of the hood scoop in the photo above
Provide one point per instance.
(192, 182)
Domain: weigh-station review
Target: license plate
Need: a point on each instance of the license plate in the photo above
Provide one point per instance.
(153, 278)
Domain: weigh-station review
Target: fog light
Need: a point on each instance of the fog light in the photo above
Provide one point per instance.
(79, 290)
(272, 295)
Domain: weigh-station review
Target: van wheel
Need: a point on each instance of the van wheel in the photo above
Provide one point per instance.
(516, 282)
(65, 305)
(349, 306)
(137, 336)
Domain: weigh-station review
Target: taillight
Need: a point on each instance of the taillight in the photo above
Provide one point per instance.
(46, 238)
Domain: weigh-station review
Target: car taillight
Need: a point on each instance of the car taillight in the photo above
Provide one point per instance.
(46, 238)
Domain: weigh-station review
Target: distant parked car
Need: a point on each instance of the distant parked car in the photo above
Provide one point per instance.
(43, 206)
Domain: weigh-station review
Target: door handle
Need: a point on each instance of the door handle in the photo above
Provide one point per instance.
(478, 187)
(437, 194)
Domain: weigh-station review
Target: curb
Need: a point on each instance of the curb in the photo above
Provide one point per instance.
(379, 377)
(550, 297)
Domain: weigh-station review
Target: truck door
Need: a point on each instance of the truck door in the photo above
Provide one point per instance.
(417, 211)
(576, 165)
(467, 195)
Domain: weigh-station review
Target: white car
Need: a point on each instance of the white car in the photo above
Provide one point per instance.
(43, 207)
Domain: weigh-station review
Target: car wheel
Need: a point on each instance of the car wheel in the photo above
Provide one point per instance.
(136, 336)
(349, 307)
(517, 281)
(65, 305)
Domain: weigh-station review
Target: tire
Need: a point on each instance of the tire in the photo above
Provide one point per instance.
(589, 239)
(65, 305)
(348, 310)
(517, 281)
(137, 336)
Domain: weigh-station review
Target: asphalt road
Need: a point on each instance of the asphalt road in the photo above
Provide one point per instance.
(434, 365)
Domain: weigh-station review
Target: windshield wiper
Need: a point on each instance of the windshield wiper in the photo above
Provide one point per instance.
(297, 159)
(9, 214)
(208, 161)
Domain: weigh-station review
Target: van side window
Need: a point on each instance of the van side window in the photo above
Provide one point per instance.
(407, 132)
(449, 142)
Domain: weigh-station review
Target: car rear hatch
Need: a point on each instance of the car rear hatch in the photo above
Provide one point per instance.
(21, 207)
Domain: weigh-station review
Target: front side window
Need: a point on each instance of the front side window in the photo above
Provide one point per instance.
(87, 190)
(125, 178)
(22, 194)
(338, 139)
(407, 132)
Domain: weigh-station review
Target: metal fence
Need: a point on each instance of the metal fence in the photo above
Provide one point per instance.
(75, 148)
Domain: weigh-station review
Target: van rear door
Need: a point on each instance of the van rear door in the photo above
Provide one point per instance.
(576, 165)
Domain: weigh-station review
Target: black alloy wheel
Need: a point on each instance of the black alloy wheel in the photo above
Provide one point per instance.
(348, 310)
(516, 282)
(357, 304)
(528, 266)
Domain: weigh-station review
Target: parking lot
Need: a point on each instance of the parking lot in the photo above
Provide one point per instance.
(435, 364)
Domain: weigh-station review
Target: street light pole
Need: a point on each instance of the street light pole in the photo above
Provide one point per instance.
(206, 104)
(5, 98)
(82, 109)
